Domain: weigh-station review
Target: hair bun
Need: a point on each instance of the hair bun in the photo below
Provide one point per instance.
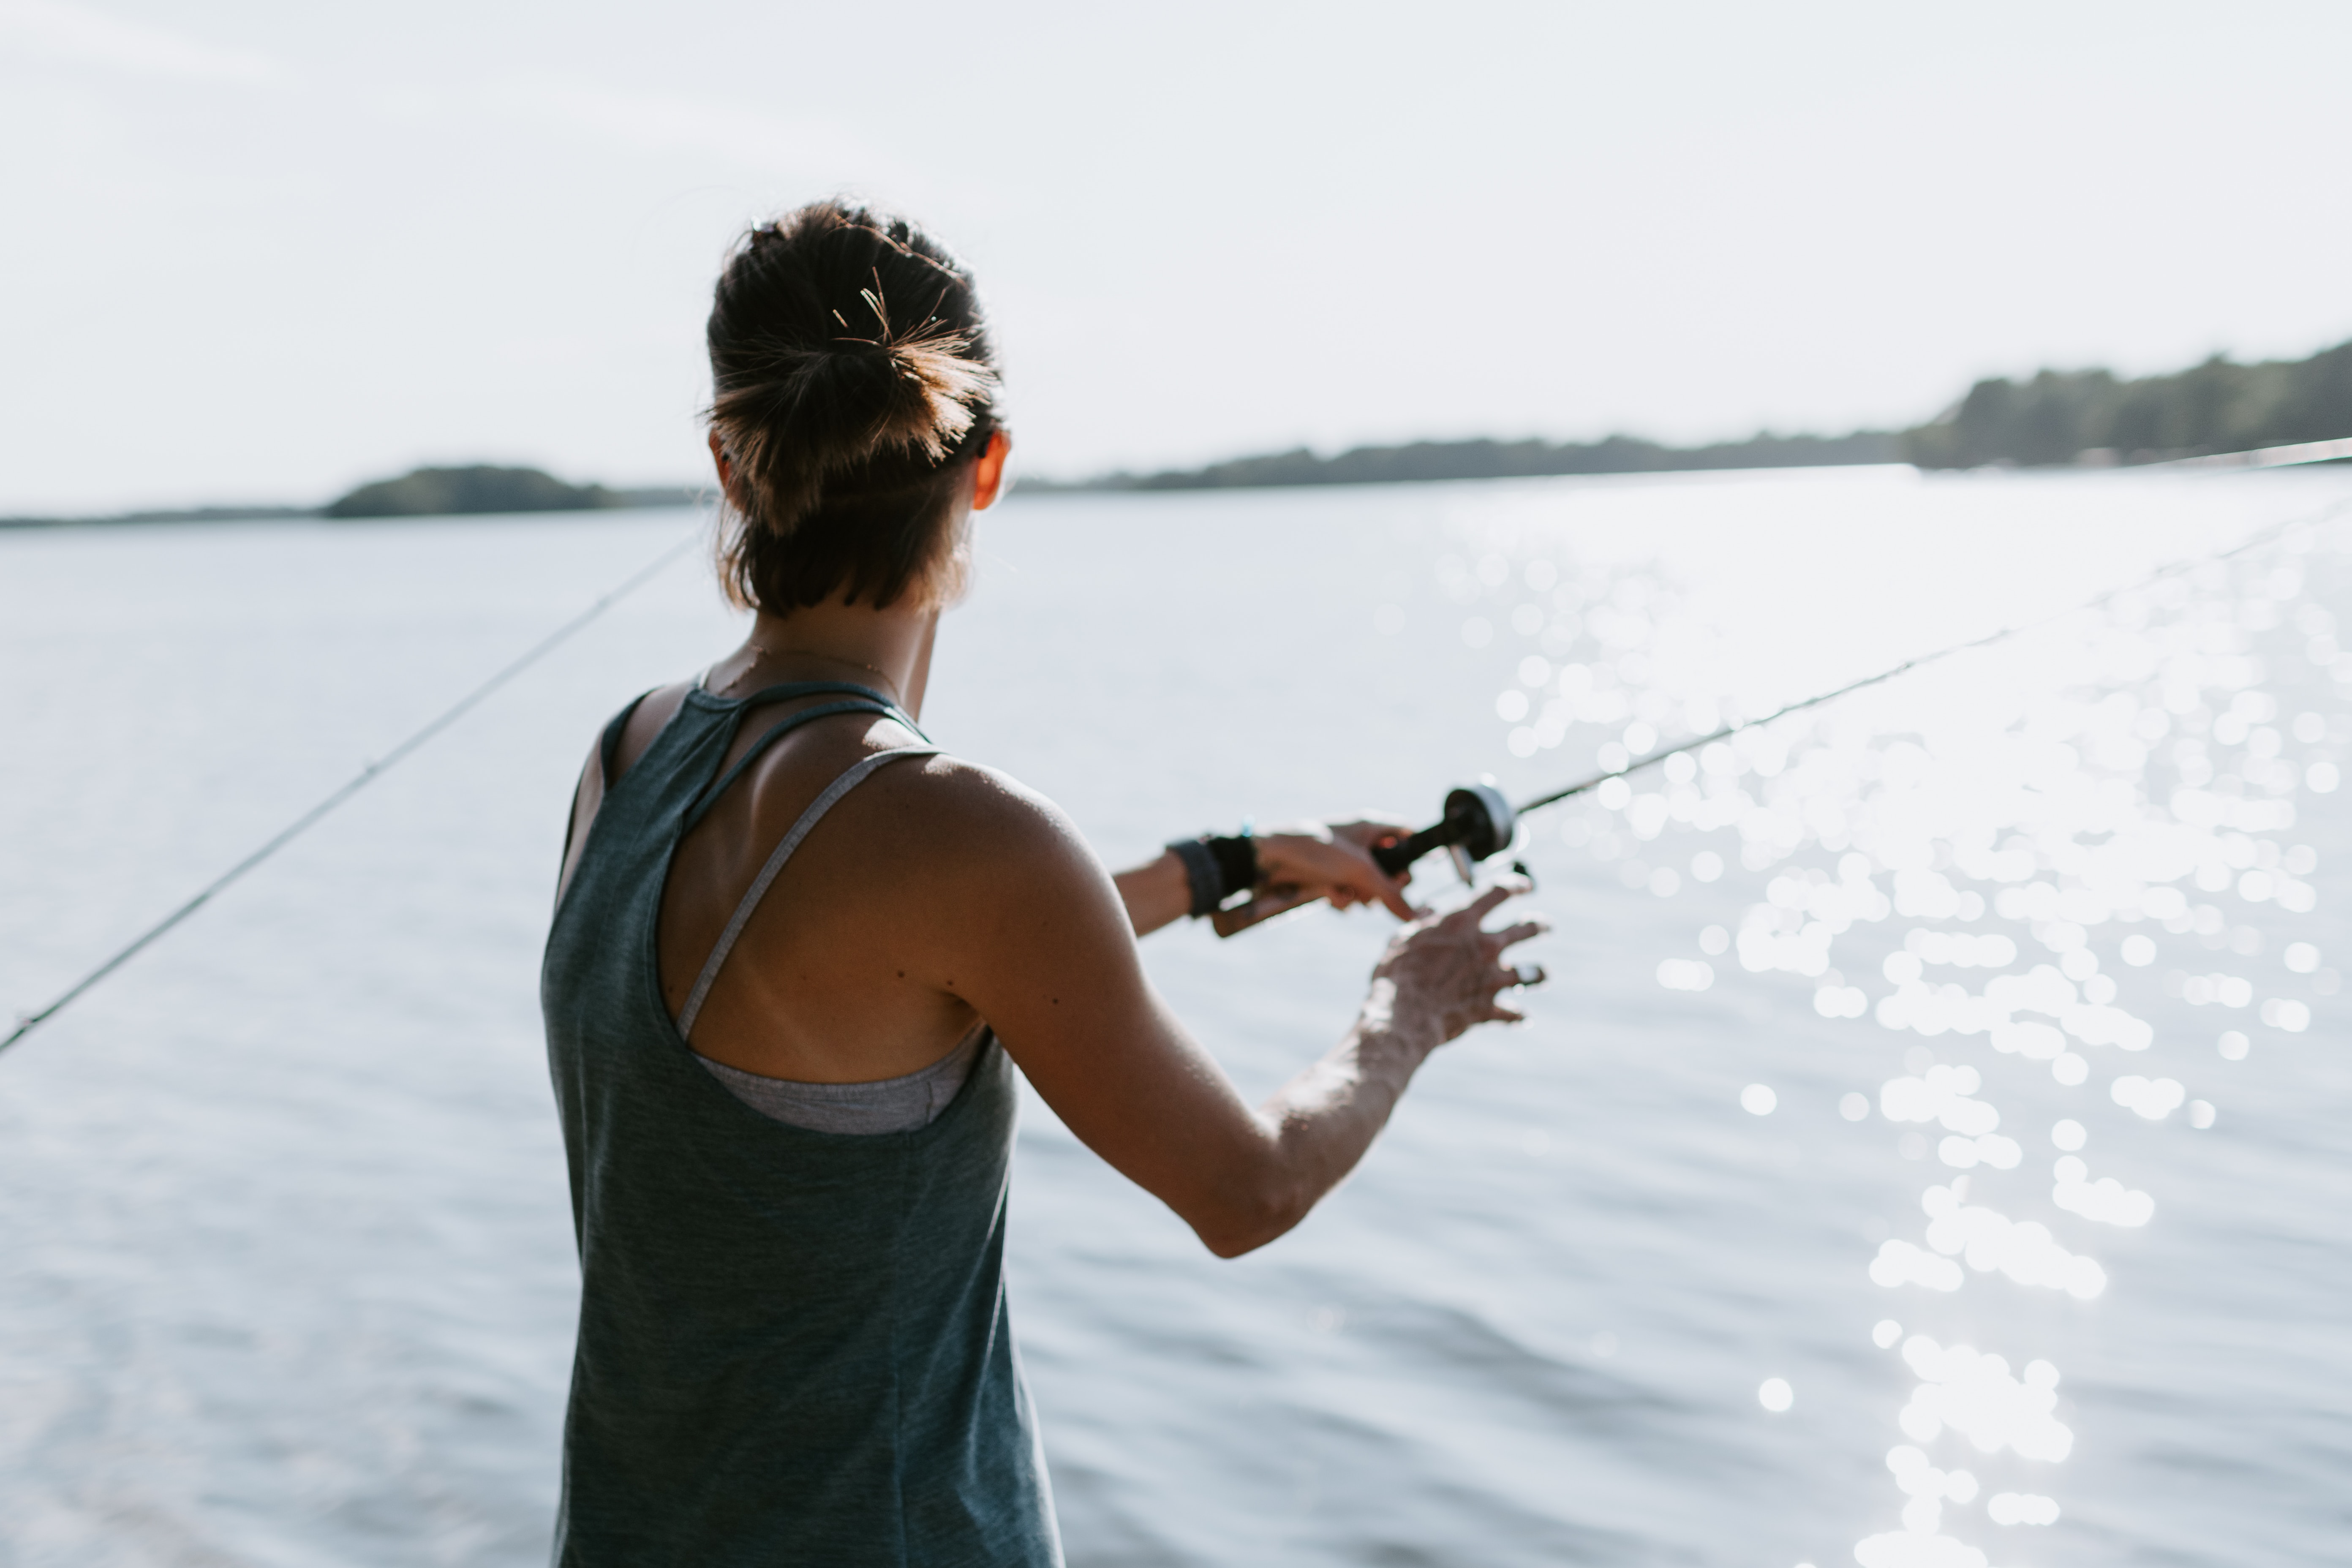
(927, 388)
(804, 416)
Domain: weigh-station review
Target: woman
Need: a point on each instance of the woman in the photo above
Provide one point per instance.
(797, 953)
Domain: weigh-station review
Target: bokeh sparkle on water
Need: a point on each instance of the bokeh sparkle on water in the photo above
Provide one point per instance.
(2132, 763)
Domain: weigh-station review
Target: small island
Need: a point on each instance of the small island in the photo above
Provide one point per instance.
(477, 490)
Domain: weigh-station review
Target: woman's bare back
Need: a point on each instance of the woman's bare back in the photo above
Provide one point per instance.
(836, 978)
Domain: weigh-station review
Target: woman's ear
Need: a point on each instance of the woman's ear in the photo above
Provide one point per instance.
(987, 470)
(726, 468)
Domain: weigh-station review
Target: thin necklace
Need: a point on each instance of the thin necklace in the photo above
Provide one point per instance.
(760, 648)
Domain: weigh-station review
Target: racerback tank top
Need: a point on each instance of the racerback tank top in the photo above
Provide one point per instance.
(794, 1345)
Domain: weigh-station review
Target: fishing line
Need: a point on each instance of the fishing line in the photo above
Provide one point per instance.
(1479, 822)
(27, 1022)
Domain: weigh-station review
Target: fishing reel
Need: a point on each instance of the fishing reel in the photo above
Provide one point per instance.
(1478, 824)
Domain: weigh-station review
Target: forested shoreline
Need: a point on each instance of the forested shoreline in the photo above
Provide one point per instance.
(2093, 416)
(2054, 417)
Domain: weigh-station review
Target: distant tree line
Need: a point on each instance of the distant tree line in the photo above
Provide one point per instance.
(2068, 416)
(186, 514)
(1424, 460)
(2057, 417)
(480, 488)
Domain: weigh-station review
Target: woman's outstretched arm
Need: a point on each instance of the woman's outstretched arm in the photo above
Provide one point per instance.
(1036, 936)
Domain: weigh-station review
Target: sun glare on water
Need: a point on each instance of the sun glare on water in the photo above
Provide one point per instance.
(2026, 858)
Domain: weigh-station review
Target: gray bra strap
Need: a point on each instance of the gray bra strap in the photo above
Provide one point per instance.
(850, 779)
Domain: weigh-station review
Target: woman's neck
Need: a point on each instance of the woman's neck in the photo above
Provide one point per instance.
(889, 650)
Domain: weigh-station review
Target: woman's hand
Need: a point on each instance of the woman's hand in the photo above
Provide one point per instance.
(1296, 865)
(1334, 861)
(1442, 974)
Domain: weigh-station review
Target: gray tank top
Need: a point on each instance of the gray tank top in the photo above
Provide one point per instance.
(794, 1344)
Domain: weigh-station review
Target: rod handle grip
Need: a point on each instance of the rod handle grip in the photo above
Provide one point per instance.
(1396, 855)
(1264, 907)
(1392, 857)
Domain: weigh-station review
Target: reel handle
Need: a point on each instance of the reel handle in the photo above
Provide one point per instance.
(1398, 852)
(1478, 823)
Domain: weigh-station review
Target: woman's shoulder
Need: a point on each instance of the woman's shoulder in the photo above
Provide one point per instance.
(967, 841)
(967, 812)
(993, 875)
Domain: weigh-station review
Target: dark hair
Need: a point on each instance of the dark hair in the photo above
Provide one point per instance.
(852, 381)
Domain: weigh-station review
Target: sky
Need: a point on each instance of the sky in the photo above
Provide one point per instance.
(259, 251)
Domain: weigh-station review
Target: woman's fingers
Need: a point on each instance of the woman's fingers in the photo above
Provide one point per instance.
(1376, 885)
(1507, 979)
(1336, 865)
(1389, 894)
(1372, 828)
(1451, 971)
(1485, 903)
(1511, 936)
(1364, 883)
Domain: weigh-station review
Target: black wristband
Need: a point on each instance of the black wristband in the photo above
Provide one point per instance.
(1200, 871)
(1236, 864)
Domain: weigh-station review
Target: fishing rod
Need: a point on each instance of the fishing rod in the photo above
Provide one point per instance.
(27, 1022)
(1478, 821)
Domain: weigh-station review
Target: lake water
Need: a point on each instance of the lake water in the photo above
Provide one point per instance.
(1936, 1123)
